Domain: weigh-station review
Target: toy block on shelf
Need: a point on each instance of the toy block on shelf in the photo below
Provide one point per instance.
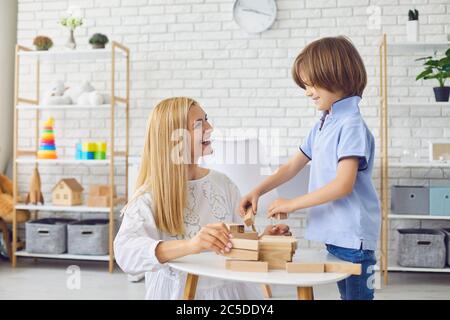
(247, 266)
(343, 267)
(245, 244)
(300, 267)
(235, 227)
(99, 196)
(100, 190)
(246, 235)
(240, 254)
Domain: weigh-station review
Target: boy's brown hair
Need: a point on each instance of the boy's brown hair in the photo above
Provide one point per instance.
(332, 63)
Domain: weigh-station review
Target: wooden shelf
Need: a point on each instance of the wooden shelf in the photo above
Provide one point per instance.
(417, 217)
(65, 106)
(64, 256)
(58, 55)
(49, 207)
(31, 160)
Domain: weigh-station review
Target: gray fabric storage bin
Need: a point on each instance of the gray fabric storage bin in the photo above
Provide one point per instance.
(88, 237)
(447, 244)
(410, 200)
(47, 235)
(421, 248)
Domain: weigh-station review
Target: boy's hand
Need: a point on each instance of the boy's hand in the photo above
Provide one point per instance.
(280, 206)
(250, 200)
(277, 230)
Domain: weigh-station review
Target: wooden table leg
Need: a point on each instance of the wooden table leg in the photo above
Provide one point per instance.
(305, 293)
(191, 287)
(267, 291)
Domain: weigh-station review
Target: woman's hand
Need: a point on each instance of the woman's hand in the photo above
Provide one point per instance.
(215, 237)
(277, 230)
(250, 200)
(280, 206)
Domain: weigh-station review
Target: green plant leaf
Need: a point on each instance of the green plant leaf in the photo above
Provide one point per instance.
(447, 53)
(424, 73)
(433, 63)
(424, 58)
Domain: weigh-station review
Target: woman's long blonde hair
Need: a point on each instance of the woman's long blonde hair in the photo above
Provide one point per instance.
(159, 174)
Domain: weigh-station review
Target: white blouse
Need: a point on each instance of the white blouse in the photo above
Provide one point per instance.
(210, 199)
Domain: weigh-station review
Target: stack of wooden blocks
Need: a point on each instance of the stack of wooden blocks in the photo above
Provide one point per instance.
(253, 254)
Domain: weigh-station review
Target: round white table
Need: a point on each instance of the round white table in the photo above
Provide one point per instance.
(211, 265)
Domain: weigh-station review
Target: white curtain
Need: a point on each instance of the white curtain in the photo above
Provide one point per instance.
(8, 27)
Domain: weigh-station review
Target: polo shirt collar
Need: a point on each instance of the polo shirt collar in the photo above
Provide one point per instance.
(345, 106)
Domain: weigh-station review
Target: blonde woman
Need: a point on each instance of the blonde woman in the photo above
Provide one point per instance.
(179, 208)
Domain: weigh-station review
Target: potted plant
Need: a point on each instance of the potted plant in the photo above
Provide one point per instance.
(42, 43)
(412, 26)
(439, 70)
(98, 41)
(72, 22)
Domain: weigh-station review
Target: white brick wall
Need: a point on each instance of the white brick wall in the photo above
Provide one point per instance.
(194, 48)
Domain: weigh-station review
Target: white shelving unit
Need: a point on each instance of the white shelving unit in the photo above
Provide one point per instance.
(28, 157)
(64, 107)
(30, 160)
(419, 104)
(64, 256)
(406, 48)
(417, 217)
(52, 208)
(438, 165)
(58, 55)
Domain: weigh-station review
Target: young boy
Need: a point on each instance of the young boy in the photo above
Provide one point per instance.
(345, 211)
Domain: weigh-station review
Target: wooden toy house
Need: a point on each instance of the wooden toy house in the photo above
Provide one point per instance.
(67, 192)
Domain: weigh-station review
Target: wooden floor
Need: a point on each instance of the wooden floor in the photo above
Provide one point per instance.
(48, 280)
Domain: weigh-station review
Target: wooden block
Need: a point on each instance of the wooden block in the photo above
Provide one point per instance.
(235, 227)
(276, 264)
(245, 244)
(343, 267)
(264, 255)
(100, 190)
(246, 235)
(294, 267)
(240, 254)
(249, 218)
(279, 238)
(276, 246)
(98, 201)
(247, 266)
(278, 242)
(281, 216)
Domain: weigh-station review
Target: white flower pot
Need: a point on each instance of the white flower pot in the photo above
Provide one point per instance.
(412, 30)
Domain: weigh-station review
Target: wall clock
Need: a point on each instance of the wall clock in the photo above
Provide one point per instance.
(255, 16)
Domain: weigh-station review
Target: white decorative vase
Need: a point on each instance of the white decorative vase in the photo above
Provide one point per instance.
(71, 44)
(412, 30)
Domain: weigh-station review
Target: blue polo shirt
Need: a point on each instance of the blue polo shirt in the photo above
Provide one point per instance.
(353, 221)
